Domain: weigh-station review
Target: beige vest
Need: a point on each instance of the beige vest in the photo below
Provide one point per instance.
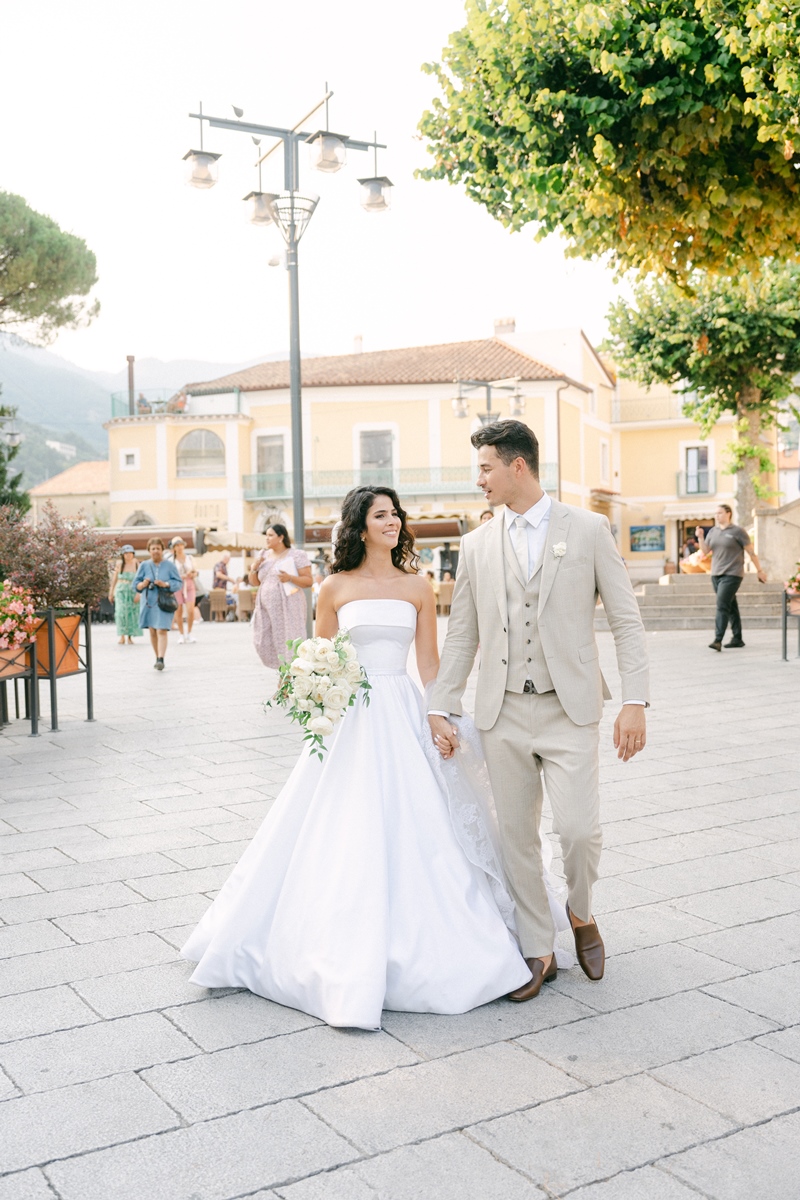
(526, 657)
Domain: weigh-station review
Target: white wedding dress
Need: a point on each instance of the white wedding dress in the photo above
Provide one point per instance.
(373, 882)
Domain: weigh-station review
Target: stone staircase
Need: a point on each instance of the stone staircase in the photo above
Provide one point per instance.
(688, 602)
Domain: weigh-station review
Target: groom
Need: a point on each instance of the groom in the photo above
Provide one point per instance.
(526, 590)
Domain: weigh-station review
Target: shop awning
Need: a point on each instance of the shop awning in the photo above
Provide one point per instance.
(691, 510)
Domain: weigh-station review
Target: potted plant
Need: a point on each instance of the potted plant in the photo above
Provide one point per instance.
(18, 622)
(63, 564)
(793, 588)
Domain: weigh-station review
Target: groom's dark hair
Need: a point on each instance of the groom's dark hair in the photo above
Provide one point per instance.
(511, 439)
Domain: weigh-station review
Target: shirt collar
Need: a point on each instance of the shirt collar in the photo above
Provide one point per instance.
(534, 516)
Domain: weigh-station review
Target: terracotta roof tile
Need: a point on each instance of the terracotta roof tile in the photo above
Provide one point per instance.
(484, 360)
(81, 479)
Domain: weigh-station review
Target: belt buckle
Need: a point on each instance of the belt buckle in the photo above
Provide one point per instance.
(529, 689)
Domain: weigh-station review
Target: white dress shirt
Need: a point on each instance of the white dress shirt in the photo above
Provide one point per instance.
(537, 520)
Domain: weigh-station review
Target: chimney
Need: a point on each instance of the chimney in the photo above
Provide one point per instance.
(504, 326)
(358, 344)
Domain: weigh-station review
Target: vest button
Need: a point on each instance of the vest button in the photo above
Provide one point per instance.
(529, 642)
(529, 660)
(503, 661)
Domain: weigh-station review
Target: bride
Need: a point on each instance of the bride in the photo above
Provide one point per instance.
(373, 882)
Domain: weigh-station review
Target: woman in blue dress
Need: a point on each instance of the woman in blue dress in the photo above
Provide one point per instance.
(156, 574)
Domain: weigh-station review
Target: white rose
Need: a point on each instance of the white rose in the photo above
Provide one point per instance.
(305, 705)
(352, 672)
(302, 687)
(333, 714)
(306, 650)
(333, 659)
(350, 651)
(323, 647)
(321, 725)
(336, 697)
(301, 667)
(320, 684)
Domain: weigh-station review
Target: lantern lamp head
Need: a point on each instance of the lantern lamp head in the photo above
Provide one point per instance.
(376, 193)
(328, 151)
(201, 168)
(260, 212)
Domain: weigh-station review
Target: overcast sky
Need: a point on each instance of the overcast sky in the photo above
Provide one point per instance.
(95, 97)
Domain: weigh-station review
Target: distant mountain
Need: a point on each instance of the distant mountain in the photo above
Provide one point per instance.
(48, 390)
(39, 462)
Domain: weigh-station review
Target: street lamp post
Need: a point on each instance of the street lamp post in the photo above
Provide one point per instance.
(291, 211)
(461, 404)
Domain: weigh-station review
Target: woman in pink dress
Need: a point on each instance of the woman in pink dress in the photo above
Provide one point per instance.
(279, 612)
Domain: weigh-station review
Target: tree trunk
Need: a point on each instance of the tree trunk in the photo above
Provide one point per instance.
(748, 412)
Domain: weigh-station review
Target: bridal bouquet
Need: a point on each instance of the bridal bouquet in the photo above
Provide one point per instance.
(319, 684)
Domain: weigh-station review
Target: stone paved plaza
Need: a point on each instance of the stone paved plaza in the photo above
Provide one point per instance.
(676, 1076)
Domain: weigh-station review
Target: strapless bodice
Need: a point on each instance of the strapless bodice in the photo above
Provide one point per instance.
(381, 631)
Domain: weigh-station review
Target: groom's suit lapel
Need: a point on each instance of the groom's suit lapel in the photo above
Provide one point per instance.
(558, 526)
(496, 555)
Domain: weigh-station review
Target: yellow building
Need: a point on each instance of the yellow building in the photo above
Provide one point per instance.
(222, 458)
(219, 456)
(81, 490)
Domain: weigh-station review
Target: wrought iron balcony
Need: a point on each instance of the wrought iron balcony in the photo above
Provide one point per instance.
(697, 483)
(407, 482)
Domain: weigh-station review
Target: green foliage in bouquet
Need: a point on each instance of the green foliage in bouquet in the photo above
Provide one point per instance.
(318, 684)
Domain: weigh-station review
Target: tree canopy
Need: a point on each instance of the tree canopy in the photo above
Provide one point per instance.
(735, 342)
(664, 134)
(43, 273)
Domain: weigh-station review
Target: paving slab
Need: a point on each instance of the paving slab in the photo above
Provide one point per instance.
(46, 905)
(140, 917)
(30, 971)
(440, 1096)
(142, 990)
(646, 1183)
(773, 994)
(764, 1161)
(785, 1042)
(757, 945)
(599, 1132)
(448, 1168)
(50, 1125)
(741, 903)
(602, 1048)
(26, 1185)
(93, 1052)
(236, 1019)
(17, 885)
(226, 1081)
(31, 937)
(215, 1160)
(29, 1014)
(747, 1083)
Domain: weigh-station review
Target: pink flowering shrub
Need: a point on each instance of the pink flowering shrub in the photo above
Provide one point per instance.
(17, 619)
(59, 561)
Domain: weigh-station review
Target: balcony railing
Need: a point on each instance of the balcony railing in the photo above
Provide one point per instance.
(167, 400)
(649, 408)
(697, 483)
(407, 482)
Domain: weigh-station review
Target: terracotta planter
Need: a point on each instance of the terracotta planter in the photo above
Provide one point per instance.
(13, 662)
(65, 651)
(794, 604)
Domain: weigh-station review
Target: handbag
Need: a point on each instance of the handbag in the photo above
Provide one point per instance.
(166, 600)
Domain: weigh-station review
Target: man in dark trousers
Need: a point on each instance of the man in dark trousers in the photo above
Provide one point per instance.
(727, 544)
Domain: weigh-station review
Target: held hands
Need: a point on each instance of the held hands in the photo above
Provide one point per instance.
(286, 577)
(630, 731)
(445, 735)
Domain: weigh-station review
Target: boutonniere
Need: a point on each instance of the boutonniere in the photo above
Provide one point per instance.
(559, 549)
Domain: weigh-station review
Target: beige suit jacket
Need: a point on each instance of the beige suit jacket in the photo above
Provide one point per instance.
(570, 583)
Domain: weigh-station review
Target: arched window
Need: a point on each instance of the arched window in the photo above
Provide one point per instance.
(200, 453)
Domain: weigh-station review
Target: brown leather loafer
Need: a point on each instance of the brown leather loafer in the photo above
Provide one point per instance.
(589, 948)
(539, 975)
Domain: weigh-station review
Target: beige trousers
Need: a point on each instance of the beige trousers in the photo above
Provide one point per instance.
(534, 737)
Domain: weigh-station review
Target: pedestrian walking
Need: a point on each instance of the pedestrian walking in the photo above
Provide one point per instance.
(187, 596)
(122, 596)
(728, 544)
(281, 572)
(156, 581)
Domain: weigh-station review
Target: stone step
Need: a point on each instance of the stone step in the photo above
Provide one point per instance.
(671, 621)
(747, 600)
(706, 612)
(697, 583)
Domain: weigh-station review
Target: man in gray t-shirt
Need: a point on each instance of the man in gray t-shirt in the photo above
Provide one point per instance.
(728, 543)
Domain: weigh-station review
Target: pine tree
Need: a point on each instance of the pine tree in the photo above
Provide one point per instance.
(10, 491)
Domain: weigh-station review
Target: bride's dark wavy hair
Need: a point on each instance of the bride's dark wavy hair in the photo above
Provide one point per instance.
(350, 550)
